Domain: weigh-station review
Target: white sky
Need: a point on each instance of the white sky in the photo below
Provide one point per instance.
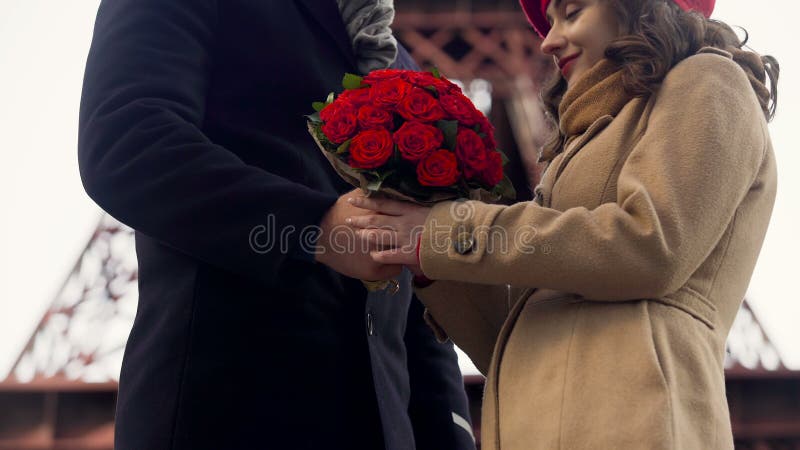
(47, 218)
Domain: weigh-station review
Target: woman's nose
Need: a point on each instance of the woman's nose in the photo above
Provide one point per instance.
(553, 42)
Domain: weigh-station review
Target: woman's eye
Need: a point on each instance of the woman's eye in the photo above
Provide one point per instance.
(572, 12)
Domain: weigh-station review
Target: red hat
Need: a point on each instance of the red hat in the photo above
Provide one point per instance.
(537, 16)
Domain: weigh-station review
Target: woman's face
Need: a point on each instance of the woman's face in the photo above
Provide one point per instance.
(579, 34)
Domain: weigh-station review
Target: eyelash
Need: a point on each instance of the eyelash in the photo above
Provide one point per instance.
(573, 14)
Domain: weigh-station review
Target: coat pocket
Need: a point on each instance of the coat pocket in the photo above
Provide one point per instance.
(615, 391)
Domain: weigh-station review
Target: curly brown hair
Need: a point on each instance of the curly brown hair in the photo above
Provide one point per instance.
(657, 35)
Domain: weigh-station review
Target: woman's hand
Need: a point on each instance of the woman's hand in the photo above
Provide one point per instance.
(395, 227)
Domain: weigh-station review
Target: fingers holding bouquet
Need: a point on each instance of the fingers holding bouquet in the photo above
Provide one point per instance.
(336, 249)
(394, 228)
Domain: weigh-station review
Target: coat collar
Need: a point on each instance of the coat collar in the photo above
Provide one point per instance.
(543, 192)
(327, 14)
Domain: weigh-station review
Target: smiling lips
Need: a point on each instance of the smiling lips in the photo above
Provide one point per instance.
(565, 63)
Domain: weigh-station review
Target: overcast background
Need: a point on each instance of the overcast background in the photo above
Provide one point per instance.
(46, 218)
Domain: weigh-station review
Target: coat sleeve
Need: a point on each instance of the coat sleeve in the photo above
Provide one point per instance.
(676, 194)
(144, 158)
(438, 407)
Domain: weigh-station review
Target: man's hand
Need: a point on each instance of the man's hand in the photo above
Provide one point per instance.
(343, 251)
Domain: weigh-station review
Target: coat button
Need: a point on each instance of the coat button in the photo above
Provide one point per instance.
(370, 324)
(464, 243)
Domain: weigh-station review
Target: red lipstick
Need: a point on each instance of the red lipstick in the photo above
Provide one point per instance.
(565, 63)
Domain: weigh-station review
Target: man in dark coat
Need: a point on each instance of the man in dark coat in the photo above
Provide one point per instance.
(192, 132)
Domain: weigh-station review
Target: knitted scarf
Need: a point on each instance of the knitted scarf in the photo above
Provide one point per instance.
(598, 92)
(368, 25)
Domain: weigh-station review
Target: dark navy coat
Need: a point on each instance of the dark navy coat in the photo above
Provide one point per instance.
(192, 132)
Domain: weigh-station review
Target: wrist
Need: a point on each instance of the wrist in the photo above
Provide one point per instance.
(420, 280)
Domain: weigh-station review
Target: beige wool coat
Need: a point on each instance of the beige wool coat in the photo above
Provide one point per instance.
(627, 273)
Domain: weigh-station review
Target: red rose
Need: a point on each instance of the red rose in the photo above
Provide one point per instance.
(371, 149)
(440, 168)
(459, 108)
(426, 80)
(387, 94)
(493, 173)
(339, 121)
(471, 152)
(416, 140)
(420, 79)
(420, 105)
(371, 118)
(376, 76)
(356, 97)
(452, 88)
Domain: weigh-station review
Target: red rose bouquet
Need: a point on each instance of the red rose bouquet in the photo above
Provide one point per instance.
(411, 136)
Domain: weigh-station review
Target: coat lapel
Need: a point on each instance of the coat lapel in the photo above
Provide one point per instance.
(576, 145)
(326, 13)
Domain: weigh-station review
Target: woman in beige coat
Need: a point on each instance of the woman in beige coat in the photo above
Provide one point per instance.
(629, 267)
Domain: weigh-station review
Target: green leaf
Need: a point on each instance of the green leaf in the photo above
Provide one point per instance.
(314, 118)
(316, 129)
(450, 130)
(505, 189)
(435, 72)
(505, 158)
(344, 147)
(318, 106)
(351, 81)
(377, 178)
(329, 100)
(374, 185)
